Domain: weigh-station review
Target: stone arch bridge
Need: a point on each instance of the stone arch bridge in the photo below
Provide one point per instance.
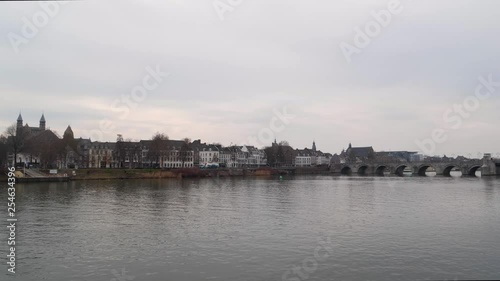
(468, 168)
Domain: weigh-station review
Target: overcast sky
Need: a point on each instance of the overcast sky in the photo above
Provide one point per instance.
(228, 77)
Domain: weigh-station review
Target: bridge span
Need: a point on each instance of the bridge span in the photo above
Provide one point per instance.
(468, 168)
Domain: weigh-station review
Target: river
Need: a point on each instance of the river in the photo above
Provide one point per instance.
(298, 228)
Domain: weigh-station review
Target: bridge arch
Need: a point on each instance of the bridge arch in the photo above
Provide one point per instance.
(422, 169)
(380, 170)
(448, 169)
(346, 171)
(362, 170)
(400, 170)
(472, 170)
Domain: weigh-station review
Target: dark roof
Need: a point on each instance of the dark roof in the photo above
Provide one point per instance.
(44, 136)
(175, 144)
(361, 151)
(304, 152)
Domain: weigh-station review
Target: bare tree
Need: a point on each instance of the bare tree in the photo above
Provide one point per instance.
(272, 155)
(3, 150)
(15, 140)
(158, 148)
(185, 150)
(119, 152)
(284, 143)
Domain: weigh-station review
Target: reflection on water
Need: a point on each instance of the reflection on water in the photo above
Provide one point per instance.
(379, 228)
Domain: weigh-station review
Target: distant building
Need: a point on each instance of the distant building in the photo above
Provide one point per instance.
(180, 155)
(28, 131)
(357, 154)
(255, 157)
(335, 159)
(405, 156)
(417, 157)
(40, 146)
(279, 155)
(303, 157)
(100, 155)
(83, 146)
(311, 157)
(209, 154)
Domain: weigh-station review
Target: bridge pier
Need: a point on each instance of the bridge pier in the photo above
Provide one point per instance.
(491, 166)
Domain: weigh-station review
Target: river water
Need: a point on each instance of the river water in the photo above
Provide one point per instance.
(298, 228)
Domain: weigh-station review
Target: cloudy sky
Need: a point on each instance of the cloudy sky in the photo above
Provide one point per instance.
(233, 64)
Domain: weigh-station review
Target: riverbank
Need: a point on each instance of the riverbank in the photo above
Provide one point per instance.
(111, 174)
(104, 174)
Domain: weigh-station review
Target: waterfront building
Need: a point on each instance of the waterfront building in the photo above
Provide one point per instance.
(254, 157)
(209, 154)
(357, 154)
(39, 145)
(100, 155)
(179, 155)
(227, 156)
(303, 158)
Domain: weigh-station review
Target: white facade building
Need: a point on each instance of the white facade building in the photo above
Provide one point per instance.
(209, 154)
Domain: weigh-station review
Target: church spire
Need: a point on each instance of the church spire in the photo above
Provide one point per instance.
(42, 122)
(19, 120)
(314, 146)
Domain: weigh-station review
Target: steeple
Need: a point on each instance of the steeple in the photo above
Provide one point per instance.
(42, 122)
(19, 121)
(314, 146)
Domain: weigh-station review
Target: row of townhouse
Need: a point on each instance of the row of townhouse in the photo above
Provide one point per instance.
(231, 156)
(242, 156)
(166, 154)
(183, 154)
(307, 157)
(45, 148)
(132, 155)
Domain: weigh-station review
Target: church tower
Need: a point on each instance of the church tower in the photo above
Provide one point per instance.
(19, 121)
(42, 123)
(314, 146)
